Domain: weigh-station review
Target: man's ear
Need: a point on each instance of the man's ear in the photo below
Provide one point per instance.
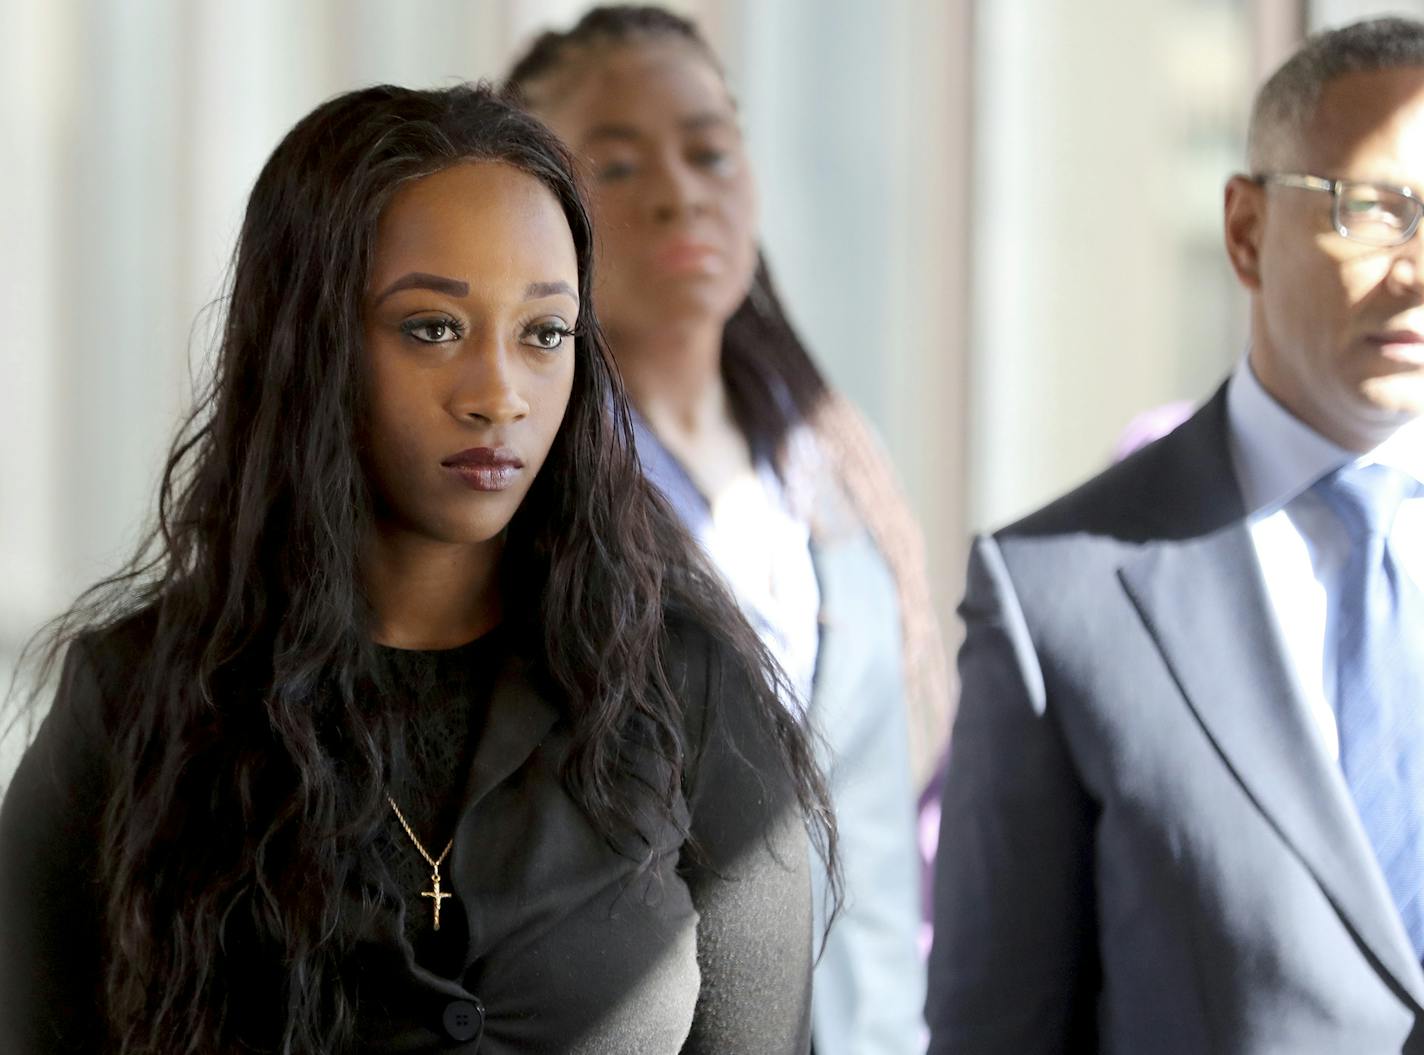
(1245, 220)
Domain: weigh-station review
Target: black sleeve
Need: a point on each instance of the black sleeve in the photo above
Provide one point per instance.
(748, 872)
(50, 897)
(1012, 965)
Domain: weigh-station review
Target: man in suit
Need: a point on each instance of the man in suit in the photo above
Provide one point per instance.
(1184, 797)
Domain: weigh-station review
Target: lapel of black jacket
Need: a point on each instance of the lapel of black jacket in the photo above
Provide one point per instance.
(519, 717)
(1202, 598)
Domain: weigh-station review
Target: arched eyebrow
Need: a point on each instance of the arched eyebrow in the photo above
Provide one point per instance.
(535, 290)
(598, 133)
(706, 119)
(420, 280)
(628, 133)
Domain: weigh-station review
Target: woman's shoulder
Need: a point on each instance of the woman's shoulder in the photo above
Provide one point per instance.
(70, 751)
(102, 663)
(690, 654)
(115, 647)
(698, 659)
(737, 775)
(715, 684)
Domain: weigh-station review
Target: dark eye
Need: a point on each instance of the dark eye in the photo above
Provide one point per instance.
(1374, 214)
(711, 158)
(548, 334)
(612, 171)
(432, 331)
(1359, 205)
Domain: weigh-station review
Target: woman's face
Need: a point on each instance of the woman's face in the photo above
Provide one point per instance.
(673, 204)
(471, 299)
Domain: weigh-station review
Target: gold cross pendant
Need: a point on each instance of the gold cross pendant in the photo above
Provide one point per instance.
(436, 895)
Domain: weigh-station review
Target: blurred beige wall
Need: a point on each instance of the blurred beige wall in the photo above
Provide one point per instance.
(996, 222)
(1322, 14)
(1104, 133)
(135, 130)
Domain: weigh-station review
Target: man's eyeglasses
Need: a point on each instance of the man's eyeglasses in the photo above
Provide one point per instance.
(1372, 213)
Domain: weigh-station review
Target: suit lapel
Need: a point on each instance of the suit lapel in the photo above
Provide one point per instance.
(1204, 603)
(519, 717)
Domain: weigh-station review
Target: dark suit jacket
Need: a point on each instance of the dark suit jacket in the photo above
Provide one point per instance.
(569, 950)
(1145, 847)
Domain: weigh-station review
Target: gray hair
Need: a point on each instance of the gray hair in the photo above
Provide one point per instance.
(1286, 102)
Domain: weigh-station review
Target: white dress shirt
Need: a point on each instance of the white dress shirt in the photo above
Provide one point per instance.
(763, 550)
(1300, 543)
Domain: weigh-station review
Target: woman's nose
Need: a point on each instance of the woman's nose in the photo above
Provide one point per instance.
(676, 192)
(487, 386)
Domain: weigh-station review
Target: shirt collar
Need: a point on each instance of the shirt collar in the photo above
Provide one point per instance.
(1277, 456)
(1404, 450)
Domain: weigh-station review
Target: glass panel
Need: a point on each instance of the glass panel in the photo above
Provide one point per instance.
(1324, 14)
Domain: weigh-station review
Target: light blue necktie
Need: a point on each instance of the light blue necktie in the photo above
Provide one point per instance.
(1379, 698)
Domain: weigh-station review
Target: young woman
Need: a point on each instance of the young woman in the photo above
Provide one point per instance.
(775, 475)
(418, 726)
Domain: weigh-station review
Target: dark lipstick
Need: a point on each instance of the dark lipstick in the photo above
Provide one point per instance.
(485, 468)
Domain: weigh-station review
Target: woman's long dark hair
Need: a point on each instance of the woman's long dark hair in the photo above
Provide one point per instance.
(249, 765)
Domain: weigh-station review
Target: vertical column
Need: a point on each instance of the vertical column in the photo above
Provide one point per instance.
(1323, 14)
(120, 339)
(1277, 26)
(926, 357)
(1103, 135)
(858, 120)
(37, 78)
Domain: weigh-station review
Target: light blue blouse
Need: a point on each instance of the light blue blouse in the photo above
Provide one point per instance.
(869, 984)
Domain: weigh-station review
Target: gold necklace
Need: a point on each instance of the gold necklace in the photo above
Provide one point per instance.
(434, 862)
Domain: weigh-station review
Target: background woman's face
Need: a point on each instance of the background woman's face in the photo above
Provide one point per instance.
(671, 193)
(471, 297)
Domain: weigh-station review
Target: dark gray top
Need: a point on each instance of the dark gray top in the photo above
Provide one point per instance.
(446, 694)
(558, 944)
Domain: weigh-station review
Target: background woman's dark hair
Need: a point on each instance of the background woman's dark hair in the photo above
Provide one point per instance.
(773, 385)
(250, 764)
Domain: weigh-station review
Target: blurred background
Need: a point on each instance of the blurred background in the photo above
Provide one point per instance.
(997, 223)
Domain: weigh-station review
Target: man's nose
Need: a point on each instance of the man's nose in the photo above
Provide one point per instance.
(1406, 269)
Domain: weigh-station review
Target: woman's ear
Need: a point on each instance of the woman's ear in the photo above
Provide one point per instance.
(1245, 216)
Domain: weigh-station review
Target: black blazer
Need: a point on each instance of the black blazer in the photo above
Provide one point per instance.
(569, 950)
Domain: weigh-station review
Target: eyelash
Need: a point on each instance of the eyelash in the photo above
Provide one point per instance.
(614, 171)
(563, 330)
(709, 158)
(412, 328)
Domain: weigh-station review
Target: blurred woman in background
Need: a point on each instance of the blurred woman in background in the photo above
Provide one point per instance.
(774, 473)
(418, 722)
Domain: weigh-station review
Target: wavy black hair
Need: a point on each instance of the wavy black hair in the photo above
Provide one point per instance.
(249, 765)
